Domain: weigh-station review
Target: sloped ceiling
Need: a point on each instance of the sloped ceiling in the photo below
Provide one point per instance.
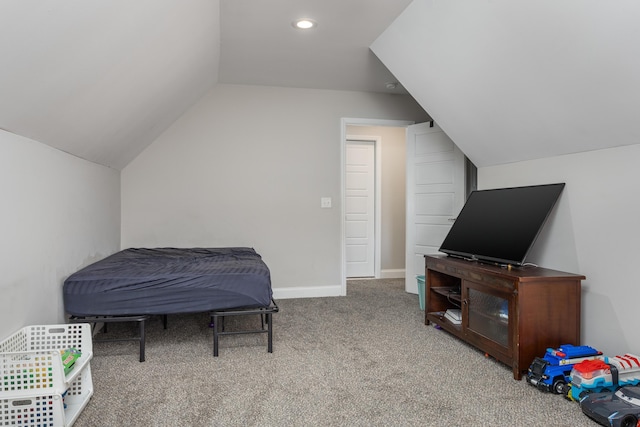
(508, 81)
(102, 79)
(511, 80)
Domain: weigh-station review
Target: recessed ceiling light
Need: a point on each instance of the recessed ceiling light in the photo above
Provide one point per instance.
(304, 24)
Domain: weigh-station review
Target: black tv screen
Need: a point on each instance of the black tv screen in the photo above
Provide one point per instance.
(501, 225)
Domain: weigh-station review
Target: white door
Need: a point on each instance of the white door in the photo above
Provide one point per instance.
(360, 208)
(435, 194)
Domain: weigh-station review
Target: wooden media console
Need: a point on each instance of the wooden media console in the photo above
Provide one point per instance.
(511, 313)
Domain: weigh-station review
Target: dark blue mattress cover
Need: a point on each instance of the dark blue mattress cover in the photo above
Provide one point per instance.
(169, 280)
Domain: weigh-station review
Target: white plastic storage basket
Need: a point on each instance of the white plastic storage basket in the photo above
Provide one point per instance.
(34, 391)
(37, 410)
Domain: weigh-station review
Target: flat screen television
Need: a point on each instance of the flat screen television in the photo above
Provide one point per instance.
(501, 225)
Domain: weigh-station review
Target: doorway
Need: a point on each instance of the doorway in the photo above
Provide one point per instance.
(362, 130)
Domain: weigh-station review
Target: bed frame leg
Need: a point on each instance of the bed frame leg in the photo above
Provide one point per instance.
(142, 340)
(266, 316)
(215, 334)
(270, 333)
(141, 319)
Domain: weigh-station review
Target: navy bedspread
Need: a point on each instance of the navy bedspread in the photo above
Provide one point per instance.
(169, 280)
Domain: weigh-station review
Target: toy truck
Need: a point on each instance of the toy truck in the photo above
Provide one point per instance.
(605, 375)
(551, 372)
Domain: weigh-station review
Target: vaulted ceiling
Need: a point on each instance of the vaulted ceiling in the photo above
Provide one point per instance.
(102, 79)
(507, 80)
(511, 80)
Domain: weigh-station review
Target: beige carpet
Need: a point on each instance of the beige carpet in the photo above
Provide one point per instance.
(366, 359)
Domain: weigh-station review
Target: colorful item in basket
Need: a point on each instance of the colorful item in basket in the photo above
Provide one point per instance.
(69, 357)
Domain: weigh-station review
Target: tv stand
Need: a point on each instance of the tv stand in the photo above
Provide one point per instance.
(513, 314)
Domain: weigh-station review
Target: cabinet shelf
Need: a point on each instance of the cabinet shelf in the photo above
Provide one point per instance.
(511, 314)
(439, 319)
(450, 292)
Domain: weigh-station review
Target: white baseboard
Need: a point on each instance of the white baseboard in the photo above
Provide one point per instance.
(392, 273)
(307, 292)
(326, 291)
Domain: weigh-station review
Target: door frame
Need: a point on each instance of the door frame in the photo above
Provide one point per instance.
(377, 209)
(344, 122)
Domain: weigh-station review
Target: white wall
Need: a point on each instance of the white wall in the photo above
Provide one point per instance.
(247, 166)
(59, 213)
(393, 177)
(593, 231)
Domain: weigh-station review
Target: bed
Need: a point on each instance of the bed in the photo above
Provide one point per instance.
(135, 283)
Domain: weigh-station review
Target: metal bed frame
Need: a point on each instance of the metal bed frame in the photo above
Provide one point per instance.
(266, 316)
(217, 319)
(95, 320)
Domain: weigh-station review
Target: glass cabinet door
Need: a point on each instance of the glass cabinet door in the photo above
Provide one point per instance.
(488, 315)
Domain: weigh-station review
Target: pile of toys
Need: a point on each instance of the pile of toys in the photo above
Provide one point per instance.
(607, 388)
